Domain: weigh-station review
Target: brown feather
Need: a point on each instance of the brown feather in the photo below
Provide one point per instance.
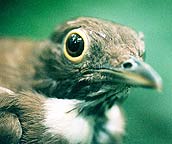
(16, 69)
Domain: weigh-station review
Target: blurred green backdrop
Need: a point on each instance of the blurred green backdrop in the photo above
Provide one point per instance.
(149, 113)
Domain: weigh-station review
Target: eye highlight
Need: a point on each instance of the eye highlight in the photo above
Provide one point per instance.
(75, 45)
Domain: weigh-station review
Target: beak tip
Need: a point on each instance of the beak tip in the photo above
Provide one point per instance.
(159, 86)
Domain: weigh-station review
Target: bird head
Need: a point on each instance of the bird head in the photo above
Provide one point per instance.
(94, 60)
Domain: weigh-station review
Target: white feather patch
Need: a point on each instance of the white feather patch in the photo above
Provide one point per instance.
(59, 119)
(116, 123)
(5, 90)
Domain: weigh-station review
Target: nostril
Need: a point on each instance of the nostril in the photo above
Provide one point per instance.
(127, 65)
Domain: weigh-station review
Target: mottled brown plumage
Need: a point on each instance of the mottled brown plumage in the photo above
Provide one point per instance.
(15, 62)
(88, 62)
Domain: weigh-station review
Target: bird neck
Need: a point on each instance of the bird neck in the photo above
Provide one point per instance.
(99, 105)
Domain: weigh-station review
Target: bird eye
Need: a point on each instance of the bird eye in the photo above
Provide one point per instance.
(75, 45)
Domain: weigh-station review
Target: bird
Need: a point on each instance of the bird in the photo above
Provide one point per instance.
(69, 88)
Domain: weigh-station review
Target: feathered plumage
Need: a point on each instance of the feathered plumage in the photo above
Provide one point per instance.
(68, 89)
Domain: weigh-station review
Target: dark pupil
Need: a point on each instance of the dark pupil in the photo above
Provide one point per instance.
(75, 45)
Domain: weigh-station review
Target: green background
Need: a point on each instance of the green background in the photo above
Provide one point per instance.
(149, 113)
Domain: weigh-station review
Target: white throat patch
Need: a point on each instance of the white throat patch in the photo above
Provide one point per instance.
(59, 119)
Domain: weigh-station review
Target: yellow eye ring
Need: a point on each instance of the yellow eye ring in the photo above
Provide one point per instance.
(75, 45)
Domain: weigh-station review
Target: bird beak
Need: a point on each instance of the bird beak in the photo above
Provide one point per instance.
(137, 73)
